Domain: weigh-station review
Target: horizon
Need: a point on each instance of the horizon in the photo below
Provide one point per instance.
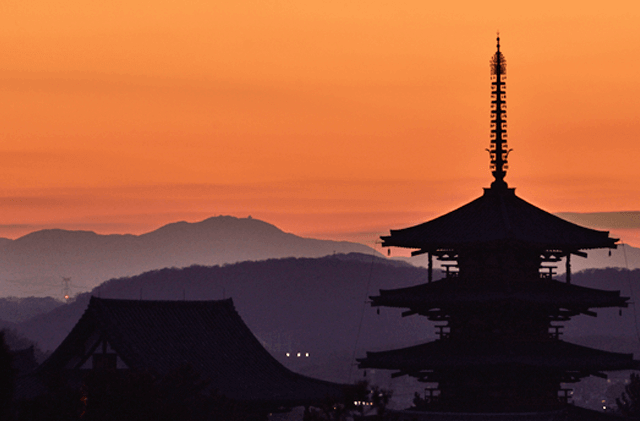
(617, 225)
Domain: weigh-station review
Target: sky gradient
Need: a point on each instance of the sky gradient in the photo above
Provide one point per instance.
(329, 119)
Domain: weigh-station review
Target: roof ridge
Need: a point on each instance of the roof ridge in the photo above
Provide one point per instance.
(123, 301)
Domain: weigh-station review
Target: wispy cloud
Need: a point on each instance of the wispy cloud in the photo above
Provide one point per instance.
(605, 220)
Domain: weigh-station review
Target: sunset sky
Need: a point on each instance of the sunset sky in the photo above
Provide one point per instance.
(331, 119)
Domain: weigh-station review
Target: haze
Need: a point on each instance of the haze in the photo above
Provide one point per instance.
(326, 119)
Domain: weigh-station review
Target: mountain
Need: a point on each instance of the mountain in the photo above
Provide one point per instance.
(314, 305)
(16, 310)
(609, 321)
(34, 265)
(320, 306)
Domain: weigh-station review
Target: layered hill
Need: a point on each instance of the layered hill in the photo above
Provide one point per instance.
(34, 265)
(308, 300)
(308, 305)
(320, 306)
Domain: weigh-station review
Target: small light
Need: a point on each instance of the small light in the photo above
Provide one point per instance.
(287, 354)
(298, 354)
(604, 407)
(306, 355)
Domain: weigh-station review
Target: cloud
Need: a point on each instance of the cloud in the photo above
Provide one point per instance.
(604, 220)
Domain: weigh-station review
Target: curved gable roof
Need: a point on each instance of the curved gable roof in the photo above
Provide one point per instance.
(208, 335)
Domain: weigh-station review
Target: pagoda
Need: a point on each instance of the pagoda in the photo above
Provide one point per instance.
(499, 309)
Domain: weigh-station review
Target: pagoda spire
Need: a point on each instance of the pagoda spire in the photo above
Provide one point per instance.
(498, 149)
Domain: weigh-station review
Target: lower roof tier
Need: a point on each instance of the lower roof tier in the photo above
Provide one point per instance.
(209, 336)
(455, 292)
(447, 354)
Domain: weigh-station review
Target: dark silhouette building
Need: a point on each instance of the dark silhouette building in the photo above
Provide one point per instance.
(499, 307)
(162, 336)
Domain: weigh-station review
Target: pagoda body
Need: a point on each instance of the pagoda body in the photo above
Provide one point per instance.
(499, 308)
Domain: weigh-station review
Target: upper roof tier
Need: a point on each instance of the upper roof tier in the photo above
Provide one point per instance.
(498, 216)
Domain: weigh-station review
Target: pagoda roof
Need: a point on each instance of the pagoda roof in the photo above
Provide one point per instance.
(456, 292)
(447, 354)
(209, 336)
(498, 216)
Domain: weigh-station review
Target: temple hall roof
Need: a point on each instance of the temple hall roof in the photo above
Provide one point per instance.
(210, 336)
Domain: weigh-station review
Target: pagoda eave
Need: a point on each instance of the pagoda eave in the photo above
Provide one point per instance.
(554, 355)
(455, 293)
(498, 217)
(437, 247)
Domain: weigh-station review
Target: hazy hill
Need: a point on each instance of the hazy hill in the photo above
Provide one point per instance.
(292, 305)
(610, 321)
(33, 265)
(16, 310)
(315, 305)
(304, 301)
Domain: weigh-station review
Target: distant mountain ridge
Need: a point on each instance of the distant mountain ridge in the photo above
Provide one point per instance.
(319, 305)
(33, 265)
(315, 305)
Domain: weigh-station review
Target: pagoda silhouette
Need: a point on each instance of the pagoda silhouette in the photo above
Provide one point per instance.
(498, 306)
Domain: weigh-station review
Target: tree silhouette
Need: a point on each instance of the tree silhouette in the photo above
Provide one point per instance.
(6, 379)
(629, 402)
(361, 392)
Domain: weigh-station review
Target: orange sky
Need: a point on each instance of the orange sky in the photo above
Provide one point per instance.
(327, 118)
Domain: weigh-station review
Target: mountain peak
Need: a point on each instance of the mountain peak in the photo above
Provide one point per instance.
(36, 263)
(55, 235)
(219, 225)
